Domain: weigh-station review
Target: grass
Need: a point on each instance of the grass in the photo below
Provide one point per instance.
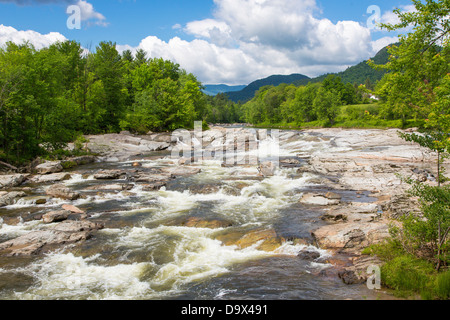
(410, 276)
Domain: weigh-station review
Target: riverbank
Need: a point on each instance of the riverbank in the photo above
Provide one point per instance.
(334, 193)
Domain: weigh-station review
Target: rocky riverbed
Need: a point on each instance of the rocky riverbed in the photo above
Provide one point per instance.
(162, 216)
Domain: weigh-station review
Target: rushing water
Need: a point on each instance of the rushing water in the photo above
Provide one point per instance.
(143, 253)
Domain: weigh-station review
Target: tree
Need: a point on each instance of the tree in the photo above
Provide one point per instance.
(326, 104)
(419, 83)
(110, 69)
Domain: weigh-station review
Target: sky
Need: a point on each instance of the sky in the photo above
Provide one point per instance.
(230, 42)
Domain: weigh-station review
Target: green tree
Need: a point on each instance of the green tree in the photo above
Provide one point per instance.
(326, 104)
(110, 69)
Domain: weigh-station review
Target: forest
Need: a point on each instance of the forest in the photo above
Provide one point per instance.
(54, 96)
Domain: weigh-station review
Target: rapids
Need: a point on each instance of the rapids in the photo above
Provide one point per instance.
(145, 253)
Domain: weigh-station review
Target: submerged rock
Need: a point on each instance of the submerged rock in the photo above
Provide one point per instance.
(207, 224)
(262, 239)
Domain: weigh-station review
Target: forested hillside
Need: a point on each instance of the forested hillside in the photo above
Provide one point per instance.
(249, 92)
(361, 73)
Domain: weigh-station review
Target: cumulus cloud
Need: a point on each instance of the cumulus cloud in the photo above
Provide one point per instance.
(246, 40)
(38, 40)
(251, 39)
(389, 17)
(88, 13)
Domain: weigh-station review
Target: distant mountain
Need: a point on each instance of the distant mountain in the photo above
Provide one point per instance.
(214, 89)
(357, 74)
(249, 91)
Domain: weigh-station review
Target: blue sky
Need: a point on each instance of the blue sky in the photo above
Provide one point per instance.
(221, 41)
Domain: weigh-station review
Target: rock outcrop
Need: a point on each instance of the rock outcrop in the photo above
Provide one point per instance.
(11, 181)
(53, 237)
(9, 198)
(62, 192)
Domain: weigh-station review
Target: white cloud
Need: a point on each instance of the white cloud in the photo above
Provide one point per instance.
(389, 17)
(88, 13)
(251, 39)
(247, 40)
(38, 40)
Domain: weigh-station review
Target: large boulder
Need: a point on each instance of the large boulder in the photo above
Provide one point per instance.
(49, 167)
(194, 222)
(350, 237)
(263, 239)
(62, 192)
(56, 216)
(9, 198)
(109, 174)
(267, 169)
(50, 178)
(11, 181)
(54, 237)
(357, 273)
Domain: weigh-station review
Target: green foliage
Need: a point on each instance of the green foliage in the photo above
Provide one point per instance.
(408, 275)
(50, 97)
(305, 104)
(443, 285)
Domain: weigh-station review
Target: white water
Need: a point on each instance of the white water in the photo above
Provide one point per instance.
(159, 262)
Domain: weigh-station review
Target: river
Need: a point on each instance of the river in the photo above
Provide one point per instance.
(146, 251)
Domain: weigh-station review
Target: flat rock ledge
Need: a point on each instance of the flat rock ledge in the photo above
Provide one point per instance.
(364, 161)
(51, 238)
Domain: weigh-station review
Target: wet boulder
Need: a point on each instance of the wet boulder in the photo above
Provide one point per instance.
(11, 181)
(50, 178)
(109, 175)
(194, 222)
(62, 192)
(49, 167)
(9, 198)
(262, 239)
(181, 171)
(308, 254)
(72, 209)
(56, 216)
(53, 237)
(267, 169)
